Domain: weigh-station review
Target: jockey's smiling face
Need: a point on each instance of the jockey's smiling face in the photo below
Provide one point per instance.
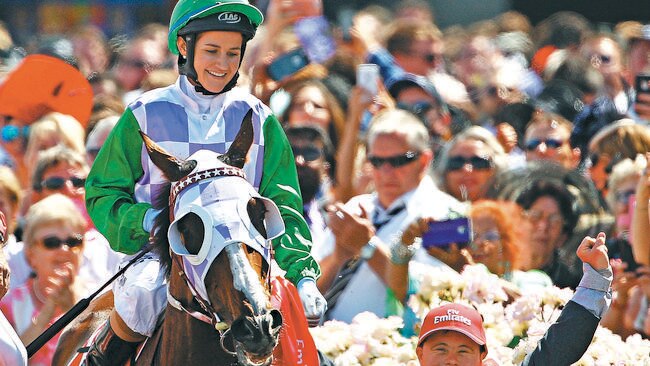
(216, 58)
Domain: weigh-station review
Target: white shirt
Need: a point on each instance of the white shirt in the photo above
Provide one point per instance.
(366, 291)
(12, 351)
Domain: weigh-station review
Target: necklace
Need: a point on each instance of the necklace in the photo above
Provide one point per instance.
(37, 293)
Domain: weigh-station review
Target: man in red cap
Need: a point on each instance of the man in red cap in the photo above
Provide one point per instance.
(452, 331)
(453, 334)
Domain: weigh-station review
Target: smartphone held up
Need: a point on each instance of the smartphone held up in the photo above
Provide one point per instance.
(287, 64)
(368, 77)
(642, 84)
(442, 234)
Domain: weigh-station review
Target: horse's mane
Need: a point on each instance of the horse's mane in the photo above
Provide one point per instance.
(160, 227)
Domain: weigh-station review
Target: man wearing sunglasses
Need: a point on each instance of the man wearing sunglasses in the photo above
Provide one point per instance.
(547, 138)
(356, 253)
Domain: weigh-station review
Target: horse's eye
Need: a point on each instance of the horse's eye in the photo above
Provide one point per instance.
(191, 230)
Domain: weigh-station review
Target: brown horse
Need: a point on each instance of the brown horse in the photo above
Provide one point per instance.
(215, 240)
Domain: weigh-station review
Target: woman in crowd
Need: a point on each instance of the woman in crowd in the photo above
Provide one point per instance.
(54, 245)
(312, 103)
(10, 198)
(499, 232)
(549, 207)
(619, 140)
(469, 162)
(622, 185)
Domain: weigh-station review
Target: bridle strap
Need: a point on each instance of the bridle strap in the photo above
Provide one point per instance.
(194, 314)
(177, 187)
(210, 316)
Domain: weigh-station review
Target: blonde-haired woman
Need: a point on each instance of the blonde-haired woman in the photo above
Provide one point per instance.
(54, 245)
(50, 130)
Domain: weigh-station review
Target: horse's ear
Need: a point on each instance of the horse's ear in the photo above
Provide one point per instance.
(172, 167)
(236, 154)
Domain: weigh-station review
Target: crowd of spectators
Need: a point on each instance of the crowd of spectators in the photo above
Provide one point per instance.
(538, 133)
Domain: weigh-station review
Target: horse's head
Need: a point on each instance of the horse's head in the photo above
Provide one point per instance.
(219, 232)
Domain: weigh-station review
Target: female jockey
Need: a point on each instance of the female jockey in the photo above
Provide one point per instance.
(202, 109)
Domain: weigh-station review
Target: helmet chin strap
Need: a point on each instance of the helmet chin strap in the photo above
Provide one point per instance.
(186, 66)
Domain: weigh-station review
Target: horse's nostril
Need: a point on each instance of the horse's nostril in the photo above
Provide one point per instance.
(276, 319)
(243, 329)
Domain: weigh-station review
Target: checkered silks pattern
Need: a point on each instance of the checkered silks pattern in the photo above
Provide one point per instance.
(173, 121)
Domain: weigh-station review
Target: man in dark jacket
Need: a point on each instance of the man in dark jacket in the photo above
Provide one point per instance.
(454, 333)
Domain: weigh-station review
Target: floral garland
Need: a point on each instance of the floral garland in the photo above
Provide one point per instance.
(512, 328)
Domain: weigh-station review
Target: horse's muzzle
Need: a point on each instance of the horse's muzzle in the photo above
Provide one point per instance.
(257, 335)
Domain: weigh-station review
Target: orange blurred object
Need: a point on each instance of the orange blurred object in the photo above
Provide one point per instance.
(538, 63)
(43, 84)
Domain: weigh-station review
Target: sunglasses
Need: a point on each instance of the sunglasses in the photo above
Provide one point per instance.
(55, 183)
(624, 196)
(53, 242)
(309, 153)
(419, 108)
(11, 133)
(426, 57)
(136, 64)
(394, 161)
(594, 158)
(477, 162)
(550, 143)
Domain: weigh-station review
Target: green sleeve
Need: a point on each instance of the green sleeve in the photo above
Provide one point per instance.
(280, 184)
(110, 188)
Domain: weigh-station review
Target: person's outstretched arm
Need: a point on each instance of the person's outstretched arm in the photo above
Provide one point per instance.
(641, 219)
(569, 337)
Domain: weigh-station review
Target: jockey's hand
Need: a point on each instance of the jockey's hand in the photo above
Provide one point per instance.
(312, 300)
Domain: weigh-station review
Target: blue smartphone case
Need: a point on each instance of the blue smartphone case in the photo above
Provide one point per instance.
(287, 64)
(443, 233)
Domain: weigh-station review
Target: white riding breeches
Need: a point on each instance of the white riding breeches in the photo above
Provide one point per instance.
(141, 293)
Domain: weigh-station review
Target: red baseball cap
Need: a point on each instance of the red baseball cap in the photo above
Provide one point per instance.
(456, 317)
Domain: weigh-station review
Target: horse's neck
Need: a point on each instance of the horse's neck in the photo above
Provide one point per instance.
(185, 340)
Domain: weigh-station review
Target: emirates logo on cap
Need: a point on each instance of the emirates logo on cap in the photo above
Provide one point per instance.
(229, 17)
(452, 315)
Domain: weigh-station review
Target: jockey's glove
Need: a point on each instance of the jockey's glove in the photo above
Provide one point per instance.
(149, 217)
(312, 300)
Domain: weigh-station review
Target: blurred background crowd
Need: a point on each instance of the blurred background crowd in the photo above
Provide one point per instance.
(536, 129)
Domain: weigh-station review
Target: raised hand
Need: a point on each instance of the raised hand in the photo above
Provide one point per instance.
(453, 257)
(59, 287)
(351, 231)
(594, 252)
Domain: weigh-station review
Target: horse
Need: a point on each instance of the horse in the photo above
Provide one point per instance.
(214, 238)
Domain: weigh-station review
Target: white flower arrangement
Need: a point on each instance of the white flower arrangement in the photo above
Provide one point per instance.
(512, 328)
(369, 340)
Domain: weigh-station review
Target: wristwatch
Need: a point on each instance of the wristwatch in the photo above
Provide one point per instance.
(368, 250)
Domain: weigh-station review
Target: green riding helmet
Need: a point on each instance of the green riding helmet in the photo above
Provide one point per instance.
(187, 10)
